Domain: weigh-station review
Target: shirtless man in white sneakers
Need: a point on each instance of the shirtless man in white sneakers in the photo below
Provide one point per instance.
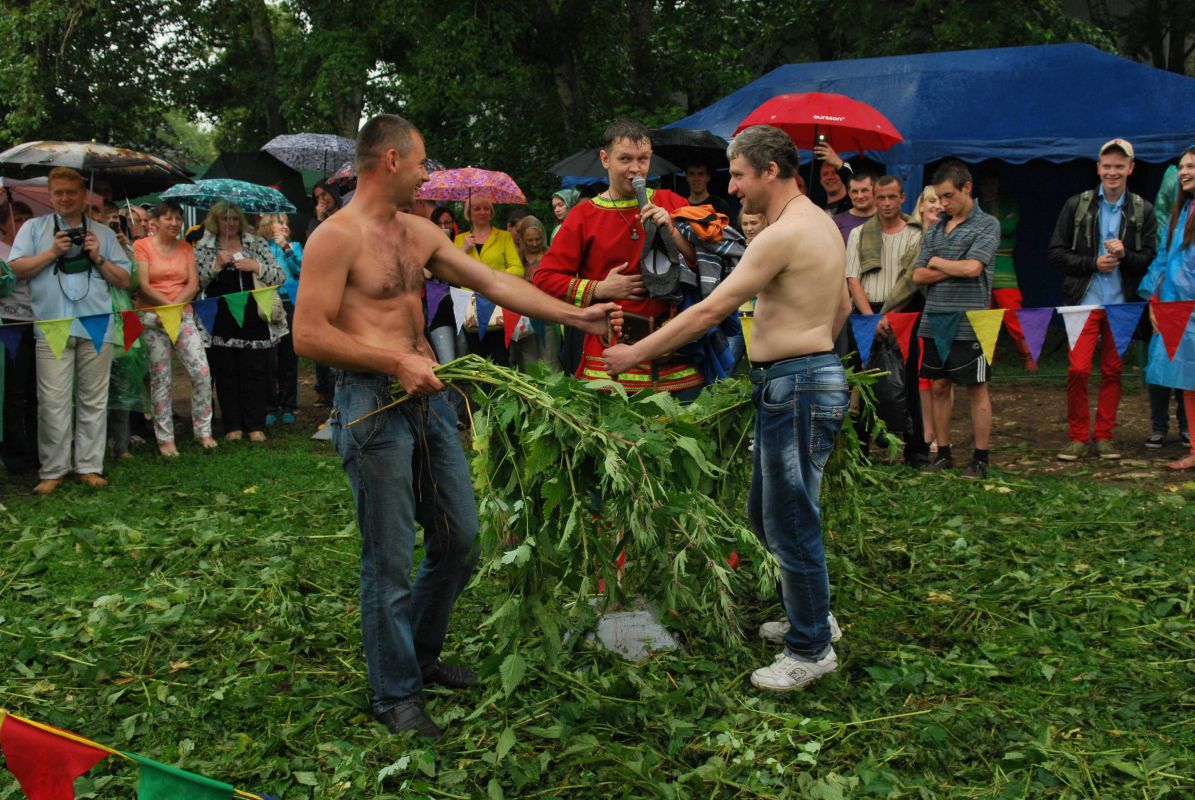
(797, 268)
(359, 309)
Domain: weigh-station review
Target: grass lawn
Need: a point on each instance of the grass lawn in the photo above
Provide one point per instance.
(1026, 637)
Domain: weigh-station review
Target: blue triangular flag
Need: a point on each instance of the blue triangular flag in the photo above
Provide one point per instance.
(485, 310)
(97, 328)
(206, 311)
(436, 292)
(11, 335)
(1123, 319)
(864, 328)
(944, 325)
(541, 329)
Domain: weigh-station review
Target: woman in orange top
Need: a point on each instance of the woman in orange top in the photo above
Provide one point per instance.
(168, 277)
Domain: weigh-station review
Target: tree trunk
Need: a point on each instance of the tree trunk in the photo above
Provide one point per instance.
(549, 48)
(1157, 33)
(263, 42)
(643, 81)
(1176, 60)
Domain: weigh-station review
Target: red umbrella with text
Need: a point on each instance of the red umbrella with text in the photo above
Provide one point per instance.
(850, 124)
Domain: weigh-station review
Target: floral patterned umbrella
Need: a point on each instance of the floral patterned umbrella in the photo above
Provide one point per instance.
(467, 182)
(249, 197)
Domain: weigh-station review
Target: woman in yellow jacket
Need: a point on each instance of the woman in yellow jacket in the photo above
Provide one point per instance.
(495, 248)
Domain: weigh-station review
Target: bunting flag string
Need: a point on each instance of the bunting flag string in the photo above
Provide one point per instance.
(748, 325)
(1122, 320)
(264, 296)
(1034, 324)
(986, 325)
(47, 760)
(1075, 318)
(863, 326)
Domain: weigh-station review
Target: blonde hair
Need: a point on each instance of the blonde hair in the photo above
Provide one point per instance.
(266, 223)
(926, 193)
(211, 223)
(66, 174)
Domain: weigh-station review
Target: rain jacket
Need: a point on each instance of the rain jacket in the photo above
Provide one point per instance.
(1172, 277)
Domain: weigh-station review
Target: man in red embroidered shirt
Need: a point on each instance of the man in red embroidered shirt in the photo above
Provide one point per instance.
(595, 257)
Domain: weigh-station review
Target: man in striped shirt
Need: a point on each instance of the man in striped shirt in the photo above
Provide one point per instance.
(957, 261)
(877, 254)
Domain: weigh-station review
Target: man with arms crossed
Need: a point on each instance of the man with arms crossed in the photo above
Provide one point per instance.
(359, 309)
(796, 266)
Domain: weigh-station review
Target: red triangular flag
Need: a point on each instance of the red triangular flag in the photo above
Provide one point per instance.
(902, 325)
(44, 764)
(132, 328)
(1172, 321)
(510, 321)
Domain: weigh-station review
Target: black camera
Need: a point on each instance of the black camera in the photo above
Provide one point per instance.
(76, 235)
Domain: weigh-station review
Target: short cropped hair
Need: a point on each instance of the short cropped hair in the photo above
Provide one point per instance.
(623, 128)
(165, 207)
(763, 144)
(211, 223)
(888, 180)
(379, 135)
(863, 175)
(954, 171)
(66, 174)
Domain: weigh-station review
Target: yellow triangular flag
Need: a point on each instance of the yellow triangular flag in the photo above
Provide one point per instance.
(171, 317)
(987, 329)
(265, 299)
(747, 323)
(56, 331)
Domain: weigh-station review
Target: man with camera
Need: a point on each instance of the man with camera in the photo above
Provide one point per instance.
(69, 262)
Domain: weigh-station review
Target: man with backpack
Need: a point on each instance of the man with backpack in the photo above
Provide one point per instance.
(1103, 244)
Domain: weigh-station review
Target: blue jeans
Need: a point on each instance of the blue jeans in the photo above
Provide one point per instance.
(405, 465)
(797, 418)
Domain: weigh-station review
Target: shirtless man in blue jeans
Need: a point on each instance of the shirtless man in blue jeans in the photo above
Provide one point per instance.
(359, 309)
(797, 268)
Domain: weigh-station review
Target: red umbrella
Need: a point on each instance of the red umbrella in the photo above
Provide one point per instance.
(851, 125)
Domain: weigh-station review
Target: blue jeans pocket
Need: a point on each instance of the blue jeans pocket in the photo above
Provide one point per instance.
(779, 394)
(824, 423)
(354, 403)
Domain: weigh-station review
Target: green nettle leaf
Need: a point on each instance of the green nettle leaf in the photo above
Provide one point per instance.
(505, 742)
(512, 670)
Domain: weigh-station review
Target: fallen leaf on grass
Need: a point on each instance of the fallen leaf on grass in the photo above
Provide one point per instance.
(998, 489)
(252, 490)
(175, 666)
(939, 597)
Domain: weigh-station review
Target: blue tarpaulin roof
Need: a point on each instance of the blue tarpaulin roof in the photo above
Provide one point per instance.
(1054, 102)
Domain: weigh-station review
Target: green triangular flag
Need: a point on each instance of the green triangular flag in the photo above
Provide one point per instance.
(160, 782)
(236, 306)
(56, 331)
(944, 325)
(265, 298)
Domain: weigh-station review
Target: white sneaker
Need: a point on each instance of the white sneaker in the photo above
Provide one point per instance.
(787, 673)
(775, 632)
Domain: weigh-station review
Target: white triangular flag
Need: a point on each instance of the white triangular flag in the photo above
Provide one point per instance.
(1075, 319)
(460, 305)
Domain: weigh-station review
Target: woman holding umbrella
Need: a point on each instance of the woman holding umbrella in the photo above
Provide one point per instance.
(229, 258)
(496, 249)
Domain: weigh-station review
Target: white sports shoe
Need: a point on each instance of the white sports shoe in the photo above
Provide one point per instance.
(787, 673)
(775, 632)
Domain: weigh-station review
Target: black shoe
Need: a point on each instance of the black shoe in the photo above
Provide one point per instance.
(1155, 441)
(410, 716)
(939, 464)
(977, 471)
(453, 676)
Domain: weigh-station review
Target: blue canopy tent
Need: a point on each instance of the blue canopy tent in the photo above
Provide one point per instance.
(1052, 103)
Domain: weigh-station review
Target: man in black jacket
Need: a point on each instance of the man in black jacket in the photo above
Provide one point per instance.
(1103, 245)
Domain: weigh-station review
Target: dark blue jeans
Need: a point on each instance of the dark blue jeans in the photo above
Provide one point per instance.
(405, 465)
(797, 418)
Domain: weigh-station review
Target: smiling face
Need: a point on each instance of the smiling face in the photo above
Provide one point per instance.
(1186, 173)
(67, 196)
(625, 161)
(170, 225)
(862, 195)
(445, 222)
(830, 180)
(698, 178)
(751, 186)
(1114, 169)
(931, 208)
(481, 212)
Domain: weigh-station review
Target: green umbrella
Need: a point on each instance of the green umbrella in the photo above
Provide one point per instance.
(249, 197)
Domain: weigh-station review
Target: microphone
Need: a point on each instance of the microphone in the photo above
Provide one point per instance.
(640, 187)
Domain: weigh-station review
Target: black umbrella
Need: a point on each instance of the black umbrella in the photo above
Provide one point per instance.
(687, 146)
(265, 170)
(588, 164)
(130, 173)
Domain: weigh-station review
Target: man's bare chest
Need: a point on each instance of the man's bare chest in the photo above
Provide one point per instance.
(389, 267)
